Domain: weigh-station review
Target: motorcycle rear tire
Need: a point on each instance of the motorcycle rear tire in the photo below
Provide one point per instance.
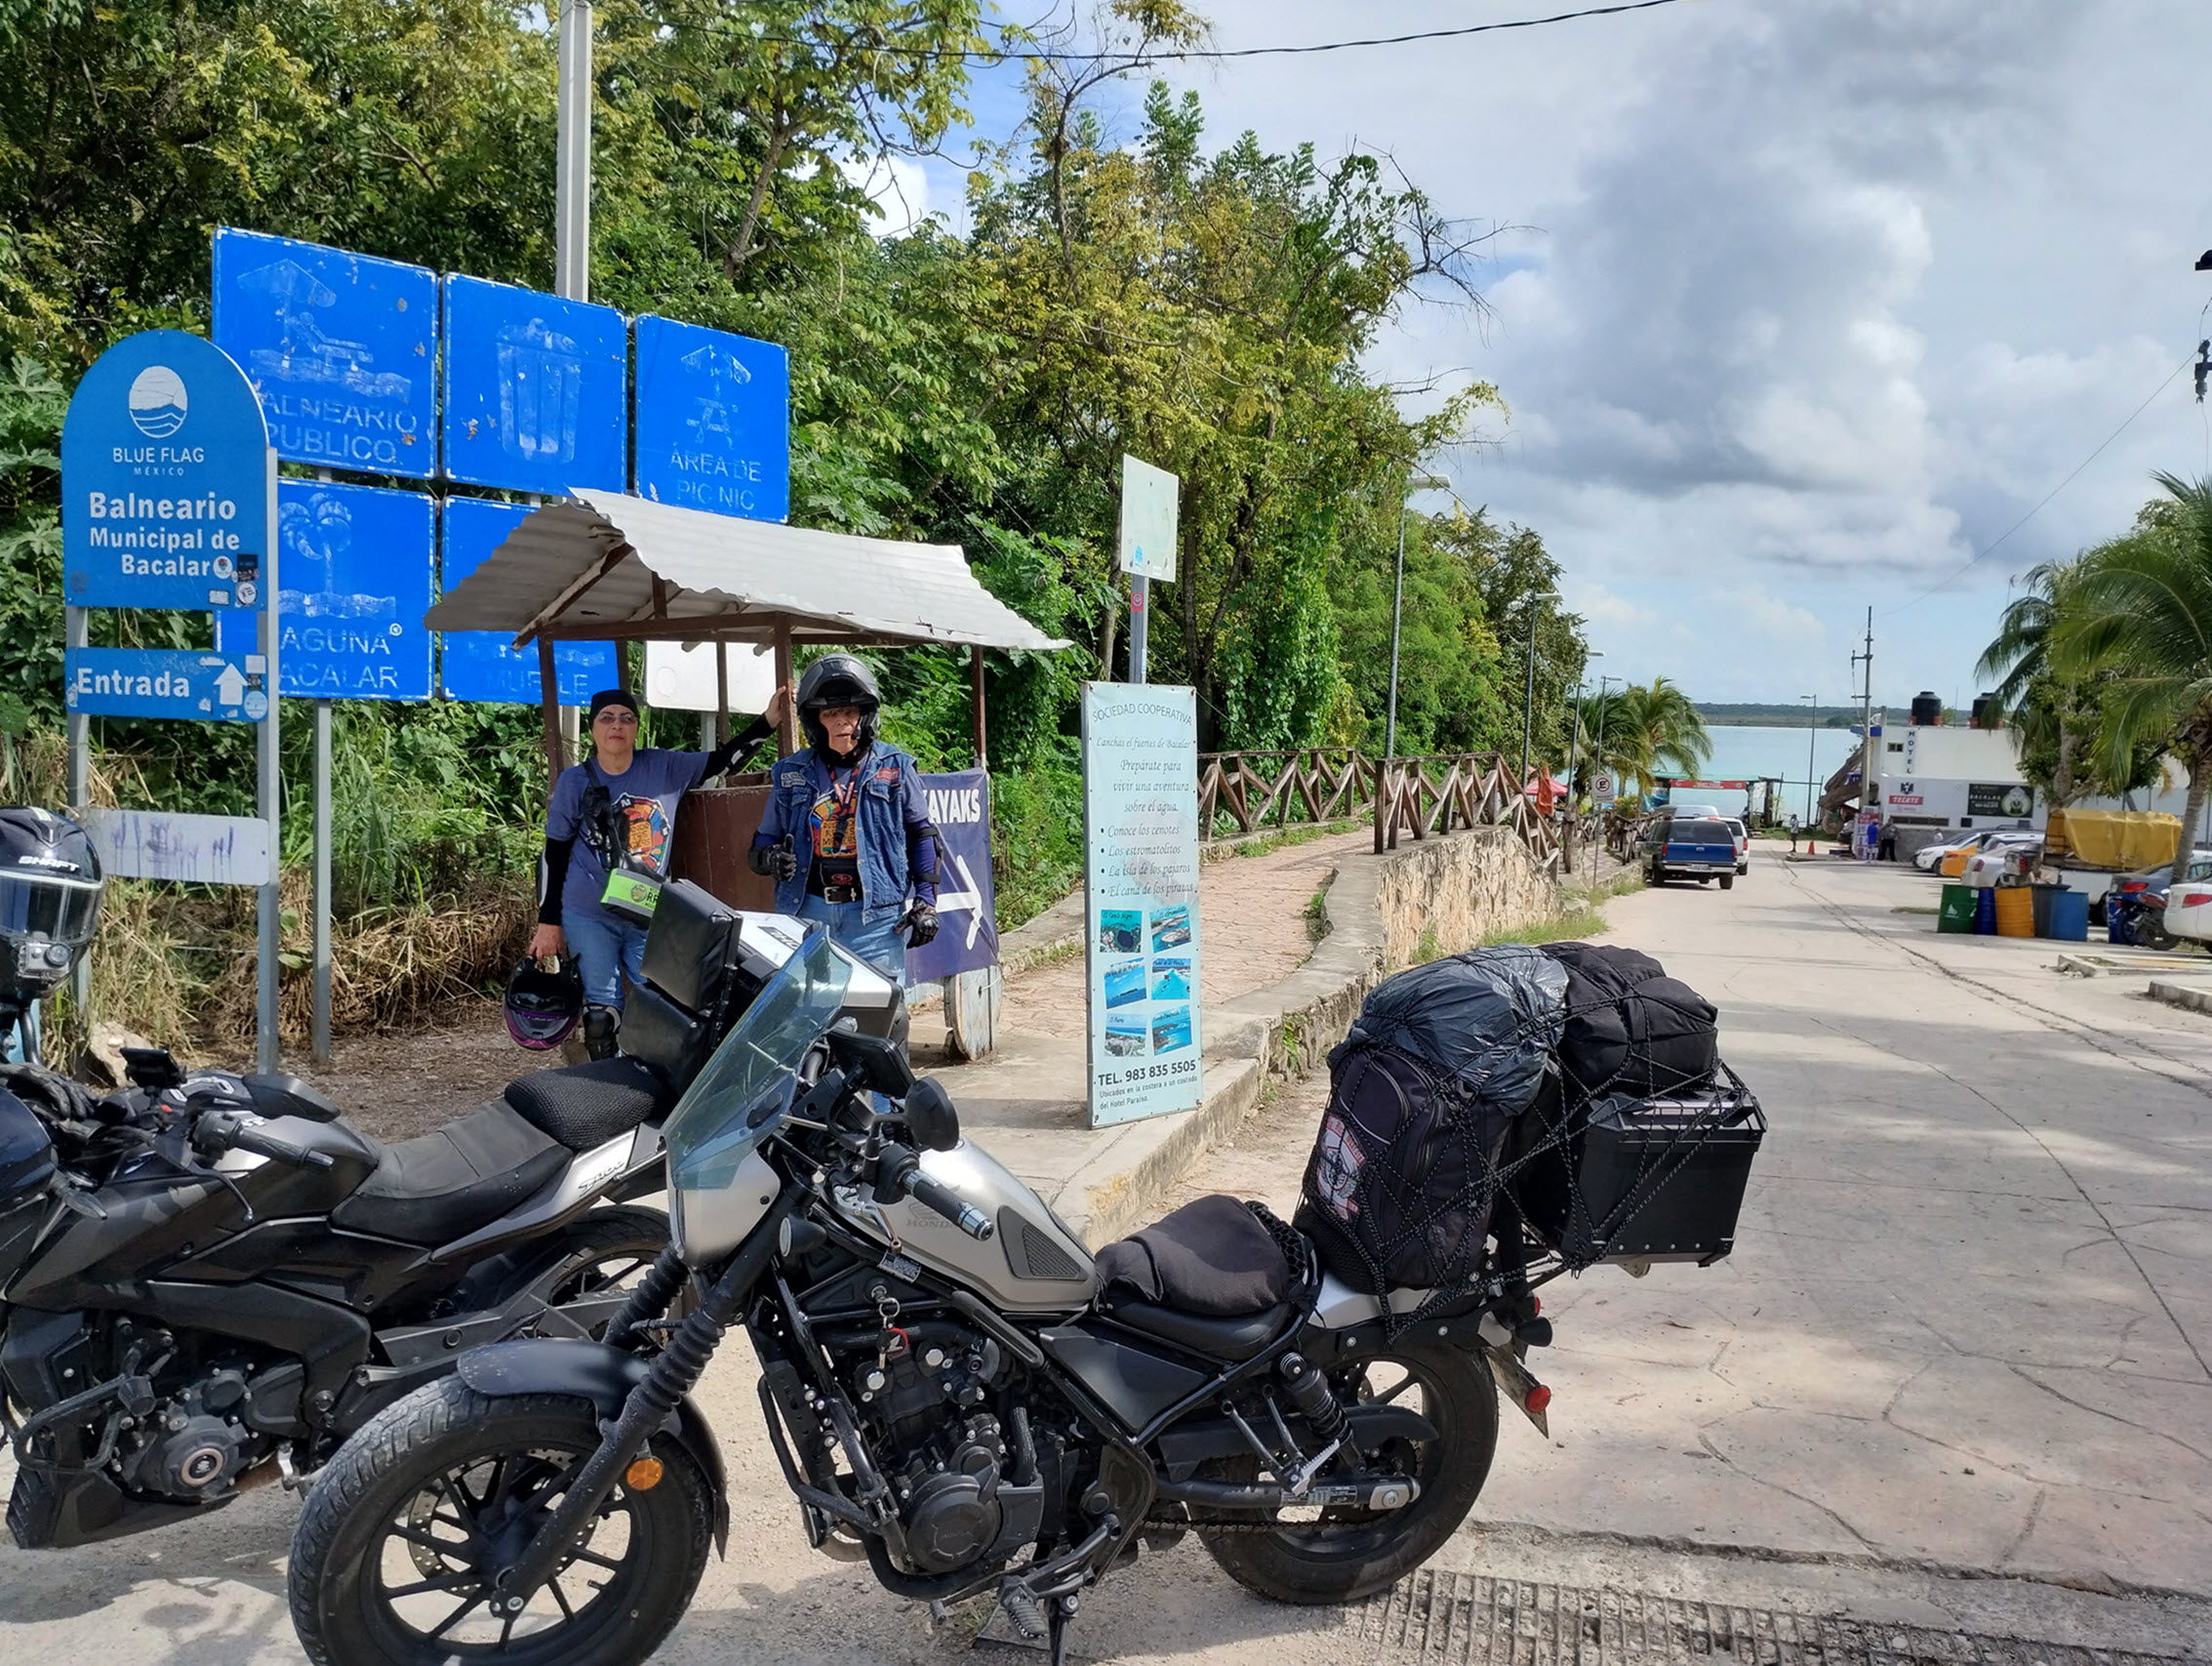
(599, 1240)
(342, 1608)
(1300, 1565)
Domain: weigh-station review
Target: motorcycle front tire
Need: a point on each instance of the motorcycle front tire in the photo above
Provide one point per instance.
(404, 1468)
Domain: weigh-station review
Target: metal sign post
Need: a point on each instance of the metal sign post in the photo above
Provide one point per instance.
(1149, 513)
(169, 501)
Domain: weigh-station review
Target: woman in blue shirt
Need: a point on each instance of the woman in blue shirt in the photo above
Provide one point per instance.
(869, 866)
(615, 812)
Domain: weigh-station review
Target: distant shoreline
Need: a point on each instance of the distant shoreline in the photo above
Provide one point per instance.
(1749, 714)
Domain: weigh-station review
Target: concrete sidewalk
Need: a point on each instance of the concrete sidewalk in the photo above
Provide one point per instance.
(1261, 971)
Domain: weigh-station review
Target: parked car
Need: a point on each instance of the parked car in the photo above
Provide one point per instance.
(1735, 825)
(2006, 853)
(1929, 857)
(2159, 921)
(1686, 847)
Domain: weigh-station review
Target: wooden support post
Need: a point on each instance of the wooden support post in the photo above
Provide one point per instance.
(788, 736)
(976, 697)
(549, 703)
(721, 688)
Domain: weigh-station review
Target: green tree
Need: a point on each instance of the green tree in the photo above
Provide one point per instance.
(2139, 609)
(1642, 732)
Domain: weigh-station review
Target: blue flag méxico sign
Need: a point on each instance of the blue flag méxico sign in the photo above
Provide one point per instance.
(169, 486)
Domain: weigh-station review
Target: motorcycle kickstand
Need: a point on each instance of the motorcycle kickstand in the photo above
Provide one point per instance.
(1062, 1615)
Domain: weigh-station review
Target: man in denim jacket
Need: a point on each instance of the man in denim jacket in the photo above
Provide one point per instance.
(846, 834)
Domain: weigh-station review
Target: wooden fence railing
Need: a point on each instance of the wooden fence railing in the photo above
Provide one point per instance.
(1253, 789)
(1419, 795)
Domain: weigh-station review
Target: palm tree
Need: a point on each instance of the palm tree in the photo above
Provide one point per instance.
(1664, 735)
(2140, 609)
(2039, 703)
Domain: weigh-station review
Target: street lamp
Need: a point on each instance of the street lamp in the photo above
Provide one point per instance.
(1812, 737)
(1413, 483)
(1601, 692)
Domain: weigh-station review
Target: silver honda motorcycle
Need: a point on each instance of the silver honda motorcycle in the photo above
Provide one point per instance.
(946, 1394)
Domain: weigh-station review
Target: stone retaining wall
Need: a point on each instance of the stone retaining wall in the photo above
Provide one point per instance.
(1442, 895)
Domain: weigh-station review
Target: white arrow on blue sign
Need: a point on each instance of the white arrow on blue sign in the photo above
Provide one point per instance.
(160, 683)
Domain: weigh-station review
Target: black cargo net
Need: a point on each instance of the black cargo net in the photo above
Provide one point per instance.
(1511, 1114)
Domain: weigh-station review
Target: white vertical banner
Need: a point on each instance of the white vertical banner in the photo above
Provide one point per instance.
(1141, 889)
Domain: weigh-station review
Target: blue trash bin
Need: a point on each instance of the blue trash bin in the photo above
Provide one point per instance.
(2069, 917)
(1986, 912)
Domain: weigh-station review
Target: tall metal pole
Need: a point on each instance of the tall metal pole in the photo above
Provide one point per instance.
(270, 908)
(1139, 624)
(1597, 845)
(572, 215)
(1867, 721)
(1812, 739)
(1397, 602)
(1528, 698)
(74, 634)
(319, 1020)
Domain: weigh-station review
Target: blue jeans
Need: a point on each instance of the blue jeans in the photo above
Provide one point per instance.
(604, 950)
(878, 944)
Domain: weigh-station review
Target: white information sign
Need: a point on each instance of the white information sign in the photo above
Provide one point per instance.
(679, 676)
(1149, 503)
(1140, 875)
(198, 850)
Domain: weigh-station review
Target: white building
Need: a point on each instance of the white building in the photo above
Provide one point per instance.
(1942, 776)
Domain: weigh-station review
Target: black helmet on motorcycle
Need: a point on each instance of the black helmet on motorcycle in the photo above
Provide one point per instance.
(838, 680)
(542, 1006)
(50, 885)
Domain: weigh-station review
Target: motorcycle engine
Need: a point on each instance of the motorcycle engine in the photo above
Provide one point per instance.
(941, 1448)
(193, 1445)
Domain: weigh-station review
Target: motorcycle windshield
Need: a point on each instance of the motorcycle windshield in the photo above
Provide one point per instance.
(749, 1084)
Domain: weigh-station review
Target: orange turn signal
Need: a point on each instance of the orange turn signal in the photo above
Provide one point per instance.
(644, 1475)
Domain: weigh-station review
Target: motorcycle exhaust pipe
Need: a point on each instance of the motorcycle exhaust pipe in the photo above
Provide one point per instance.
(1383, 1493)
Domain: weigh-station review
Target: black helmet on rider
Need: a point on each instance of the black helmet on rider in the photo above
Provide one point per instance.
(838, 680)
(50, 885)
(542, 1007)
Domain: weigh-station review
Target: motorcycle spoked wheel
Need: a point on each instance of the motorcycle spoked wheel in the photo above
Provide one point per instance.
(392, 1556)
(610, 1249)
(1338, 1553)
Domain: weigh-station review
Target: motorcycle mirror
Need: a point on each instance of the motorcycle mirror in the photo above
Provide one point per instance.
(871, 1061)
(929, 1117)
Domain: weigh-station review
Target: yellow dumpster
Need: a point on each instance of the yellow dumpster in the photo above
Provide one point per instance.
(2124, 840)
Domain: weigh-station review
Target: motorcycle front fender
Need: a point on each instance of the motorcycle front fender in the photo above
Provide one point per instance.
(604, 1376)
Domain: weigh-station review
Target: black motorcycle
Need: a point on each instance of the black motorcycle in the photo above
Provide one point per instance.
(209, 1280)
(947, 1392)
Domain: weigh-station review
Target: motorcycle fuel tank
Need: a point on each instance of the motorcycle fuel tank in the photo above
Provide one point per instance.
(1031, 1264)
(26, 1169)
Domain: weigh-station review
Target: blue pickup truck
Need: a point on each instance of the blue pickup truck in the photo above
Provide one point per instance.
(1685, 847)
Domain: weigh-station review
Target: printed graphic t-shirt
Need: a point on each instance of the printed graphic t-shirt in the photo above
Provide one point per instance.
(644, 798)
(836, 826)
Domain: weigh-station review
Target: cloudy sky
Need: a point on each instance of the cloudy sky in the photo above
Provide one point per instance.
(1814, 298)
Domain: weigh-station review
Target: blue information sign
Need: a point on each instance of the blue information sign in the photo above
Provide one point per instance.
(967, 934)
(342, 350)
(165, 479)
(713, 421)
(356, 564)
(535, 389)
(161, 682)
(483, 665)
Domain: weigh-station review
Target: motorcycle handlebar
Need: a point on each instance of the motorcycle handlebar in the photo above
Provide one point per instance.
(942, 1200)
(279, 1150)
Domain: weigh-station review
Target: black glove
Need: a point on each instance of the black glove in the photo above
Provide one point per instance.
(920, 921)
(776, 860)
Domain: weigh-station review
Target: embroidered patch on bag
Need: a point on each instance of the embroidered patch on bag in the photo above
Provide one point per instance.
(1337, 1166)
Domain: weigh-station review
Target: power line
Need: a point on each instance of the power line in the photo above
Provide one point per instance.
(1183, 55)
(1991, 547)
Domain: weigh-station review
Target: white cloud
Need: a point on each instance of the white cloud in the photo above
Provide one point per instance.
(898, 186)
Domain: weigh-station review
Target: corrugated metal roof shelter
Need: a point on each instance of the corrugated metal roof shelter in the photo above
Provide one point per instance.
(606, 566)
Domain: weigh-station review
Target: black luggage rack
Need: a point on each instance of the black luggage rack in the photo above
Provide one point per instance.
(1627, 1181)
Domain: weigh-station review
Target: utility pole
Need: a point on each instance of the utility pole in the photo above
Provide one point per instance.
(1574, 739)
(571, 210)
(1528, 697)
(1597, 845)
(1866, 719)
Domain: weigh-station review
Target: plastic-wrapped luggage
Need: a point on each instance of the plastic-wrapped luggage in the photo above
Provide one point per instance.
(1576, 1087)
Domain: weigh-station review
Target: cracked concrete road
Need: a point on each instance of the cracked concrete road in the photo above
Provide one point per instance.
(1952, 1376)
(1966, 1324)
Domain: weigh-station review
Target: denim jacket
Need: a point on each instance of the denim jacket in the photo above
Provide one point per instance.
(892, 802)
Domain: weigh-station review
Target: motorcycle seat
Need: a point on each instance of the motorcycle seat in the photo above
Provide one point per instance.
(586, 1105)
(1237, 1336)
(448, 1183)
